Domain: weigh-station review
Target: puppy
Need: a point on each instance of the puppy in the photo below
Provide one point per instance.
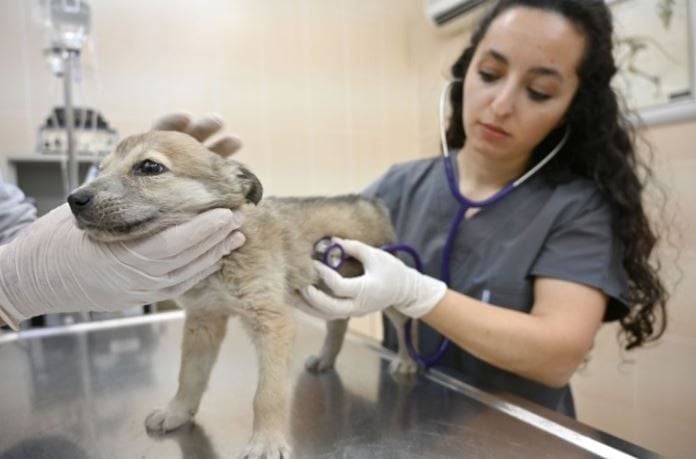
(158, 179)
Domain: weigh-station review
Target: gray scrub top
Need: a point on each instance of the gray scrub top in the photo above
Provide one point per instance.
(16, 212)
(561, 231)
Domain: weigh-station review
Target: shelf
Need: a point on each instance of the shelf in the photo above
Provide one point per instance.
(34, 158)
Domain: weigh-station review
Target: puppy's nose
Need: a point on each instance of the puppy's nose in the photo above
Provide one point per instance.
(79, 201)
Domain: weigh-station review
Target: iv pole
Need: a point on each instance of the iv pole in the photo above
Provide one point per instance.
(68, 23)
(67, 56)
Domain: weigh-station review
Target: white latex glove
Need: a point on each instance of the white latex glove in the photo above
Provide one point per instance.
(386, 282)
(55, 267)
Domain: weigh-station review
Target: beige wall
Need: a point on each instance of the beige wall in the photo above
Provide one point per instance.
(326, 96)
(317, 115)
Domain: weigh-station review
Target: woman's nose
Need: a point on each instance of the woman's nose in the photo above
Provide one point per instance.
(503, 103)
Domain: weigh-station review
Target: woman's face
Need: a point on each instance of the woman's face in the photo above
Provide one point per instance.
(520, 83)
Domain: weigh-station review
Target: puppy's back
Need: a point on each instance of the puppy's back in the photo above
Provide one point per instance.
(347, 217)
(283, 231)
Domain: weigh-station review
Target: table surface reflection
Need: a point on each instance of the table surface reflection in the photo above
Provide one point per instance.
(85, 390)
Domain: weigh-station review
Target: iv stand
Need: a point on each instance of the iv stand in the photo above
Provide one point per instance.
(72, 181)
(68, 23)
(67, 56)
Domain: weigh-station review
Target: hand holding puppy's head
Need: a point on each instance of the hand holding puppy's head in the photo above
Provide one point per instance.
(156, 180)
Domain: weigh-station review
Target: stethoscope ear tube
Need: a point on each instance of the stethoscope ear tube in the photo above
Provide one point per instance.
(546, 159)
(444, 95)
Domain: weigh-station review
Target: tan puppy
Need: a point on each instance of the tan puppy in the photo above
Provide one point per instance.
(160, 179)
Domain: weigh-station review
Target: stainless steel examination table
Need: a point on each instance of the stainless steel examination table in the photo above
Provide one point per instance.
(85, 390)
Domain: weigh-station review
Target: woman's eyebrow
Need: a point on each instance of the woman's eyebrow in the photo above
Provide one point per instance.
(542, 71)
(498, 56)
(547, 71)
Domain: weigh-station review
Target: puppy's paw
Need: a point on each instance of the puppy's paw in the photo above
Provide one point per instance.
(267, 445)
(400, 366)
(318, 364)
(167, 419)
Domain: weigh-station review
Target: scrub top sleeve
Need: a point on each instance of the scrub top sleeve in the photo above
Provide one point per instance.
(372, 190)
(16, 212)
(379, 187)
(582, 249)
(388, 188)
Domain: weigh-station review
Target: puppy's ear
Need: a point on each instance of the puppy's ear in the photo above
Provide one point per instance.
(253, 191)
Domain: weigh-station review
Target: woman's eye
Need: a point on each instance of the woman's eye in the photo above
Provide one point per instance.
(149, 167)
(487, 76)
(537, 96)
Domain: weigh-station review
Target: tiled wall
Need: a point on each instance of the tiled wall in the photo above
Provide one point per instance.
(326, 96)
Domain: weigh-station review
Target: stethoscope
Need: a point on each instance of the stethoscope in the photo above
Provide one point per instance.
(334, 255)
(464, 205)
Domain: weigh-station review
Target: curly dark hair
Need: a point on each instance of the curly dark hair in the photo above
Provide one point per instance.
(608, 157)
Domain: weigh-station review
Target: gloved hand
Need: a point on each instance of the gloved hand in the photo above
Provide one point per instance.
(386, 282)
(55, 267)
(201, 129)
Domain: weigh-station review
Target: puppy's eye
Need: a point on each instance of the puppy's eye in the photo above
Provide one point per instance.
(149, 167)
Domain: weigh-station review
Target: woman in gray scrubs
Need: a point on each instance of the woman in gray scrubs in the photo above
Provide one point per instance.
(533, 275)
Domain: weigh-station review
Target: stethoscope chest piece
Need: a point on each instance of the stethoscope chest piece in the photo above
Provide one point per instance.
(331, 253)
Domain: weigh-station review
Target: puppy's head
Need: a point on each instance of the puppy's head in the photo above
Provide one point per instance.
(156, 180)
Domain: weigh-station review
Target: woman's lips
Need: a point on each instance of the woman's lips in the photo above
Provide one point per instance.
(492, 132)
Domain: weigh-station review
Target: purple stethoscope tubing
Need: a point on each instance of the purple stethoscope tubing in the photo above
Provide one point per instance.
(464, 205)
(445, 263)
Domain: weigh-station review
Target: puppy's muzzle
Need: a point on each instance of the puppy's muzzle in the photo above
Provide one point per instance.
(79, 201)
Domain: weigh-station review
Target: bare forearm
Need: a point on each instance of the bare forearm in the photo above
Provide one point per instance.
(517, 342)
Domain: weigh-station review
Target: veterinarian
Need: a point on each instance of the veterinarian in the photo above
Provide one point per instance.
(534, 275)
(48, 265)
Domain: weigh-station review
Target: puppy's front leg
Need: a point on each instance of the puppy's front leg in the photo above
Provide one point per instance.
(333, 341)
(203, 334)
(273, 332)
